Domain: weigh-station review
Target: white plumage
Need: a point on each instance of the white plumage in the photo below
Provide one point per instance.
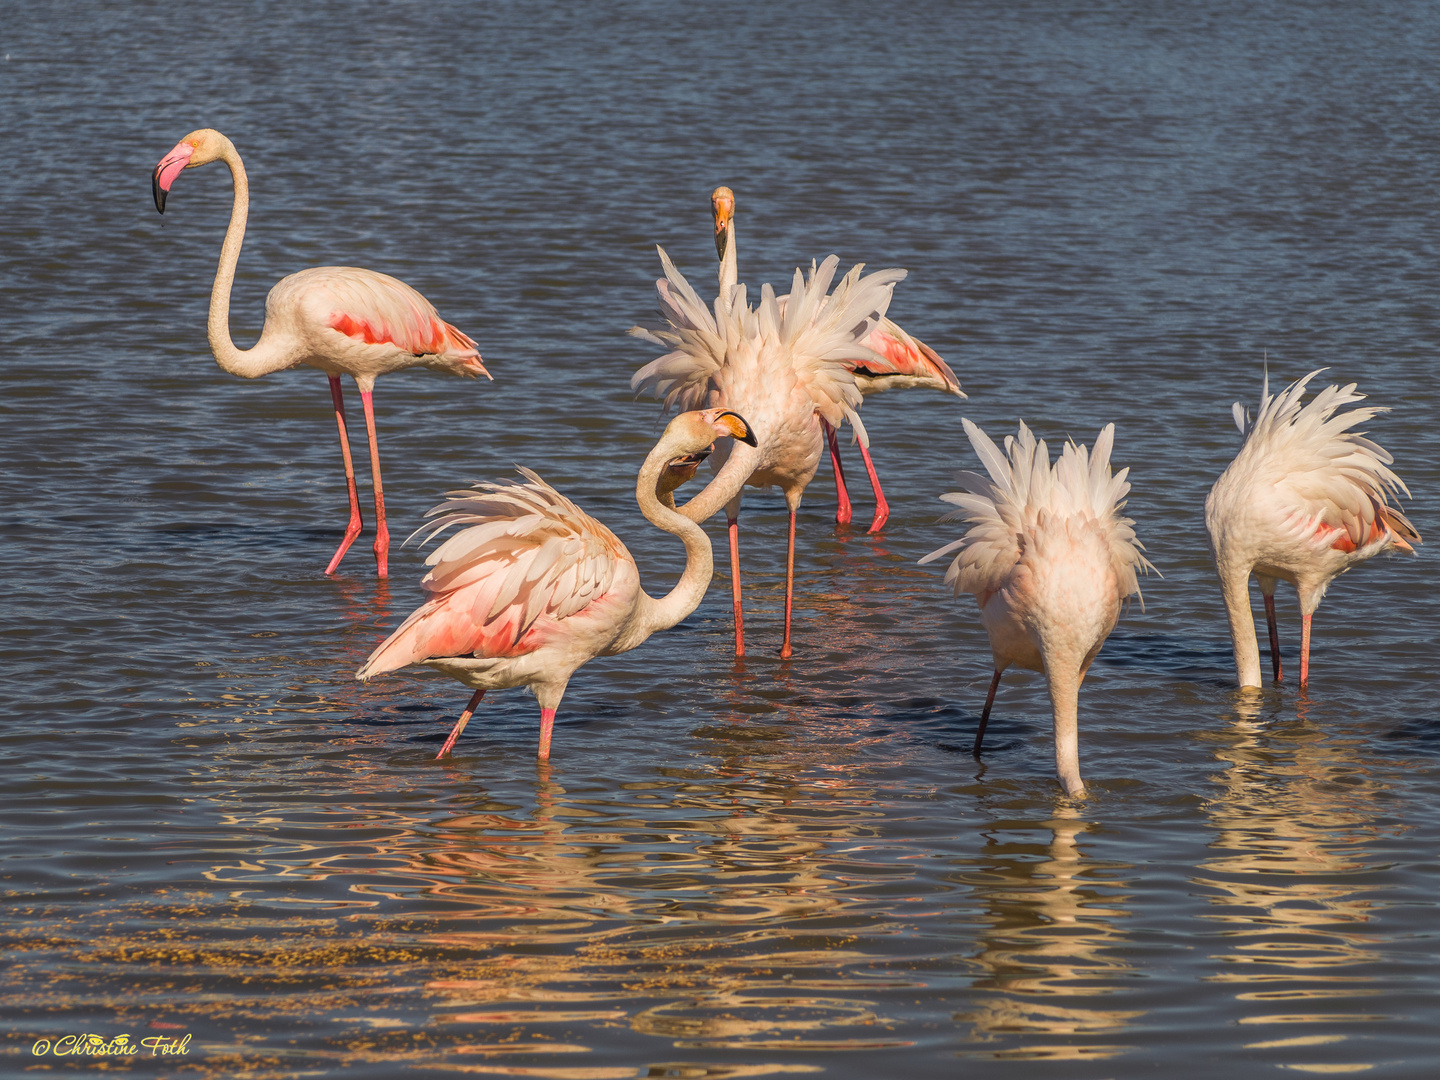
(1304, 500)
(1049, 559)
(783, 366)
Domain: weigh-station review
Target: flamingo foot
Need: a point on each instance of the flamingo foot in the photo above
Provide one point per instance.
(735, 586)
(882, 508)
(1274, 634)
(843, 510)
(356, 522)
(547, 725)
(985, 714)
(460, 724)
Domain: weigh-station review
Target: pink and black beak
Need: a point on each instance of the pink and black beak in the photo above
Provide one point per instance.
(737, 427)
(171, 165)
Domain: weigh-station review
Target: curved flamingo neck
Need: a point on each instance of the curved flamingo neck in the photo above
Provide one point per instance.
(263, 358)
(655, 614)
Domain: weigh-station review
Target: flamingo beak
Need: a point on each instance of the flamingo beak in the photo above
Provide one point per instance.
(722, 205)
(732, 423)
(171, 165)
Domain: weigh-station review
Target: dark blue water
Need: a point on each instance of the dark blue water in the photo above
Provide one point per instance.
(1111, 213)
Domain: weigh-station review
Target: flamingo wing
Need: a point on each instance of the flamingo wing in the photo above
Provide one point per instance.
(903, 361)
(1333, 484)
(377, 309)
(527, 554)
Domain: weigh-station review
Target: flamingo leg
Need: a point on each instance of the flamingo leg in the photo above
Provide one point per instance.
(735, 586)
(460, 724)
(1274, 634)
(842, 497)
(789, 586)
(882, 508)
(356, 523)
(1304, 650)
(382, 534)
(547, 725)
(985, 713)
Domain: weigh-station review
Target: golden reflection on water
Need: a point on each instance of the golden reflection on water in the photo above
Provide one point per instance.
(1051, 942)
(1295, 813)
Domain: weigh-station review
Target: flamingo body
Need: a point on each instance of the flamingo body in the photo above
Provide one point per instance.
(343, 320)
(784, 365)
(534, 587)
(1049, 560)
(895, 360)
(1304, 500)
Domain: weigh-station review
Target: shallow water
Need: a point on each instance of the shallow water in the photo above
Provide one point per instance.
(1111, 215)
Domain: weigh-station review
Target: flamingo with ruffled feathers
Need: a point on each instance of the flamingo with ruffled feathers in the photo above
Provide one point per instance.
(534, 587)
(1049, 559)
(341, 319)
(784, 367)
(899, 362)
(1304, 500)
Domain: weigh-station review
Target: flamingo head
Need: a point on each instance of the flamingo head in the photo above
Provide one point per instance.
(694, 433)
(722, 205)
(198, 148)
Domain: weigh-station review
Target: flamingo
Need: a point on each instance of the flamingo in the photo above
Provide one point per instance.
(783, 366)
(1304, 500)
(1049, 560)
(535, 587)
(340, 319)
(899, 361)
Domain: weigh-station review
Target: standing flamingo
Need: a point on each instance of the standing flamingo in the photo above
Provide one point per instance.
(535, 587)
(898, 361)
(1304, 500)
(340, 319)
(1049, 560)
(786, 369)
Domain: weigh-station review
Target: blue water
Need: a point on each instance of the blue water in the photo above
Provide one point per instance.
(1115, 213)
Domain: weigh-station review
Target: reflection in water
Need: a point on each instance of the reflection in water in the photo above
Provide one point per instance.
(1296, 811)
(709, 908)
(1049, 950)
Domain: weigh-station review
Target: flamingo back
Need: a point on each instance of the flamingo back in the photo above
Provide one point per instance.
(1334, 484)
(529, 556)
(1025, 499)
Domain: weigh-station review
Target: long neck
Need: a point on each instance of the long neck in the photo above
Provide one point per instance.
(1063, 677)
(664, 612)
(729, 265)
(743, 461)
(264, 357)
(1235, 586)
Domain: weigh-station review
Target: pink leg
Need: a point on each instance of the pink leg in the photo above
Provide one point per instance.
(842, 497)
(789, 586)
(735, 586)
(1305, 650)
(1274, 635)
(356, 524)
(382, 534)
(460, 724)
(882, 508)
(547, 725)
(985, 716)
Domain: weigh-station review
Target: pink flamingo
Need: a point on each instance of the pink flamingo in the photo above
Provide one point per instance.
(340, 319)
(899, 361)
(1049, 559)
(1304, 500)
(784, 366)
(535, 587)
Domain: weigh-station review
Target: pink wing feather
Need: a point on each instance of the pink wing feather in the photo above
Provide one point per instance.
(529, 559)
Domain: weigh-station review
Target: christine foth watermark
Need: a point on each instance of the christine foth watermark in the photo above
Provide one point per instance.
(88, 1045)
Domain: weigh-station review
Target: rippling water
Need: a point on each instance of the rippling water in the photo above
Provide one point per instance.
(1114, 213)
